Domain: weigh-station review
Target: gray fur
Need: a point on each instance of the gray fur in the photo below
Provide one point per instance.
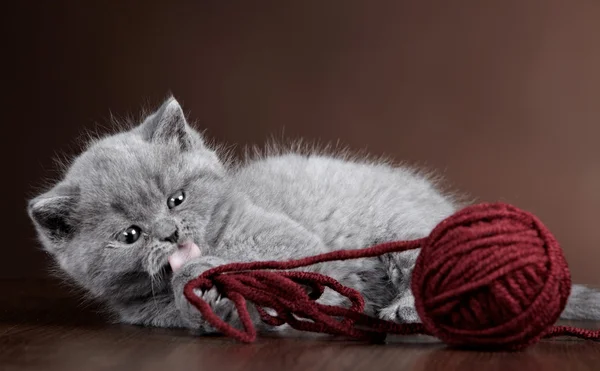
(277, 206)
(583, 304)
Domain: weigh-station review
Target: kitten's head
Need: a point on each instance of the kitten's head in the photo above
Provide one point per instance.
(127, 202)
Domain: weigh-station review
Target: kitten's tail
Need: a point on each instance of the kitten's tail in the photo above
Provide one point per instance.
(583, 304)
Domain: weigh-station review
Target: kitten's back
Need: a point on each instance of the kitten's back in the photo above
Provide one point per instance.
(349, 204)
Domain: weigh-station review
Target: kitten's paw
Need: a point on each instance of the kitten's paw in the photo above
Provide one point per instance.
(221, 306)
(402, 310)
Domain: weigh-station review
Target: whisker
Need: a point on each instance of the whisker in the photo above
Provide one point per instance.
(153, 294)
(152, 281)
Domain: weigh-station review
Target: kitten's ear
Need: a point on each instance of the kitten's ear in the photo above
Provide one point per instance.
(168, 124)
(52, 214)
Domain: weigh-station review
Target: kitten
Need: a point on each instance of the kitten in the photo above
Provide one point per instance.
(140, 213)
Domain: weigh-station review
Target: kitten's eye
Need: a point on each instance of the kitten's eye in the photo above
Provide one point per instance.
(176, 199)
(130, 235)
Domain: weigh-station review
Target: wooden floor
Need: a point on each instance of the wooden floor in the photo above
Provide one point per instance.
(45, 328)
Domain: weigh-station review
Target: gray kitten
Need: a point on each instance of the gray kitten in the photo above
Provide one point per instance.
(140, 213)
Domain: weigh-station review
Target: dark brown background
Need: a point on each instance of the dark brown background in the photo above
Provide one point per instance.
(503, 97)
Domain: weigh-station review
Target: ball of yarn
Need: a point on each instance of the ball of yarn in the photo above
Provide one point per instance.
(492, 276)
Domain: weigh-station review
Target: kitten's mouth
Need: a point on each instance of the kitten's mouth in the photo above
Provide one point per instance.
(185, 252)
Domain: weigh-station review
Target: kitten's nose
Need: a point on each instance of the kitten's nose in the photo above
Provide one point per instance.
(166, 230)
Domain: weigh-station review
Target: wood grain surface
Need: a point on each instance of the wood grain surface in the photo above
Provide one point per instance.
(45, 327)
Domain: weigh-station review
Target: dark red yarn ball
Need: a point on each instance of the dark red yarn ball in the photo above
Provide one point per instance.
(491, 276)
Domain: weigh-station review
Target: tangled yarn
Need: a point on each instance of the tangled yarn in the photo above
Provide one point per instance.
(490, 276)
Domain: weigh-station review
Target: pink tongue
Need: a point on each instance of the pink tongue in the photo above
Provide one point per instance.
(184, 253)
